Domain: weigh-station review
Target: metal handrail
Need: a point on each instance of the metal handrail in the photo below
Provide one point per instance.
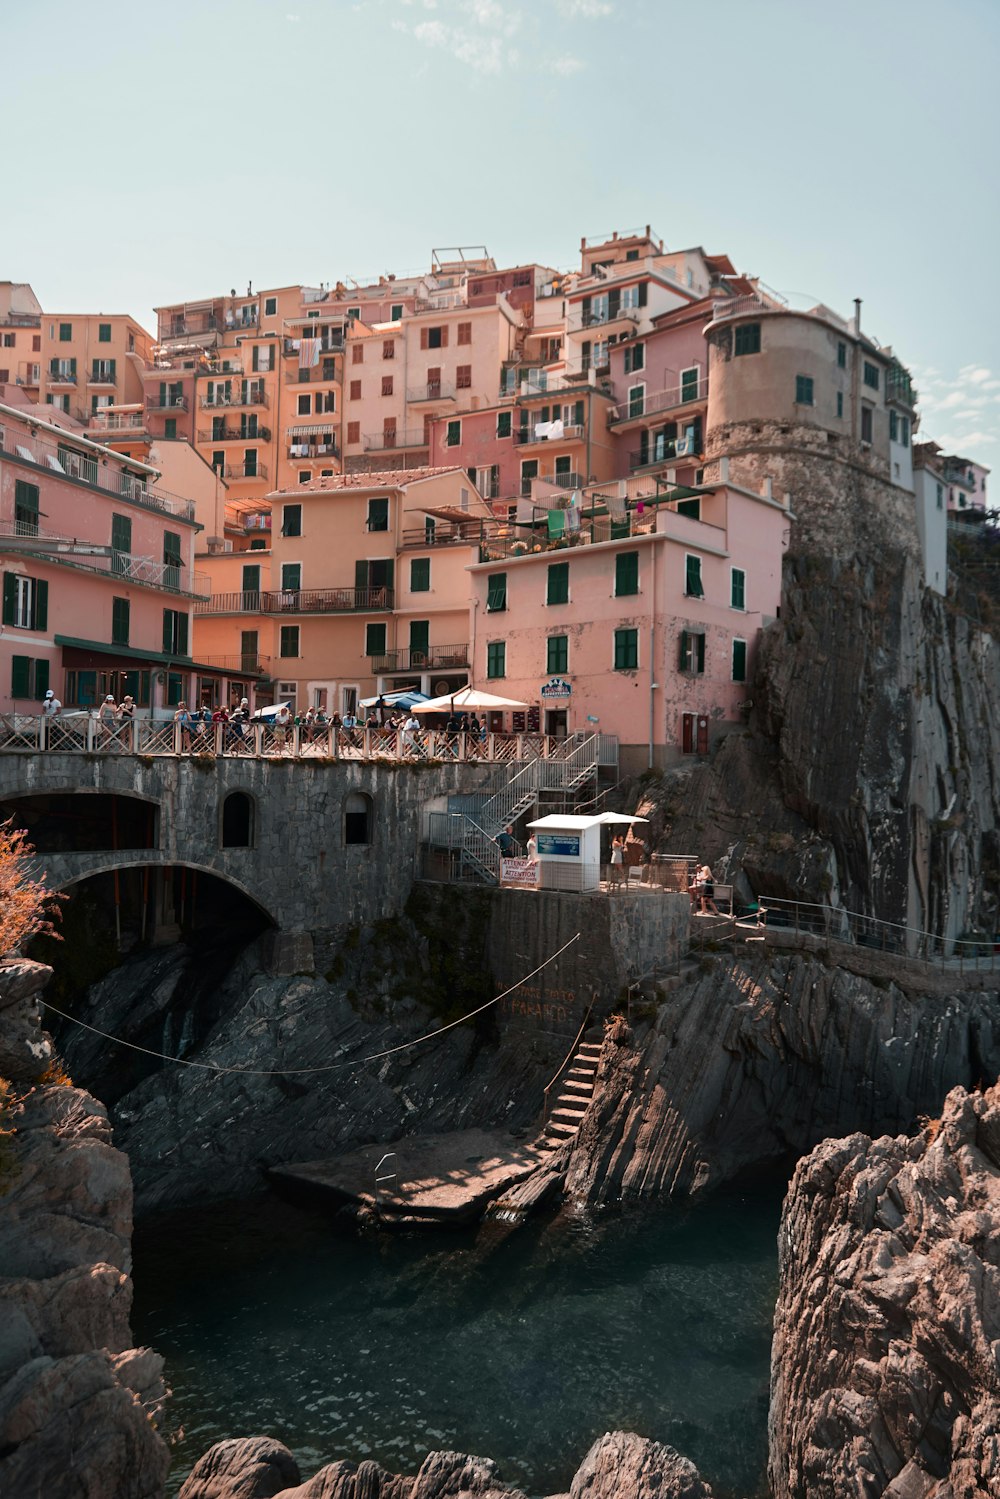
(389, 1176)
(810, 918)
(568, 1058)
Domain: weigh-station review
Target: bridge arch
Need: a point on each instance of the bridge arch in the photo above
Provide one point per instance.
(66, 871)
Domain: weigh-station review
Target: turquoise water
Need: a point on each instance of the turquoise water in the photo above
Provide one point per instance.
(522, 1347)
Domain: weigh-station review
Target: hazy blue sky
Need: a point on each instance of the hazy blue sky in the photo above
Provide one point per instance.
(849, 149)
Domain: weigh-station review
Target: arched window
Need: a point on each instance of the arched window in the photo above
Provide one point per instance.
(238, 820)
(358, 818)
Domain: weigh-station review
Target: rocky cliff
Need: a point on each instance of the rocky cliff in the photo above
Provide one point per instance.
(884, 1370)
(757, 1060)
(78, 1404)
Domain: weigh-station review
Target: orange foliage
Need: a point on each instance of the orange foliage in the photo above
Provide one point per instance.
(28, 907)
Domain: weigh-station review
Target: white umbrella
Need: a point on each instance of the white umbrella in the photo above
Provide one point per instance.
(467, 698)
(620, 817)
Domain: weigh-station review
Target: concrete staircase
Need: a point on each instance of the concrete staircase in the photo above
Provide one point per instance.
(574, 1098)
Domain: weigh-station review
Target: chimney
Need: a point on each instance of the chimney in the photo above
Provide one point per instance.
(857, 317)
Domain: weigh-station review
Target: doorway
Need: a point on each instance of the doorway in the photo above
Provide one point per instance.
(555, 722)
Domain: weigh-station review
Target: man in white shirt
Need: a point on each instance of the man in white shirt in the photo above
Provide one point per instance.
(51, 708)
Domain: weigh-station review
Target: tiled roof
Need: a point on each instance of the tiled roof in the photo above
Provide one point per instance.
(394, 478)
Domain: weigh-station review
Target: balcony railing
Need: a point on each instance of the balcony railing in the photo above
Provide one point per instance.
(430, 390)
(242, 317)
(256, 520)
(187, 327)
(403, 437)
(331, 344)
(569, 432)
(602, 318)
(246, 664)
(233, 434)
(299, 601)
(571, 480)
(245, 471)
(219, 399)
(431, 658)
(61, 377)
(442, 535)
(89, 469)
(166, 403)
(32, 540)
(116, 421)
(101, 375)
(312, 450)
(652, 403)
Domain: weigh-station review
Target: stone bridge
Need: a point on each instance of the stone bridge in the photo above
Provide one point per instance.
(316, 846)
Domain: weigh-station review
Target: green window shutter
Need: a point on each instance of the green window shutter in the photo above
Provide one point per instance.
(685, 651)
(556, 654)
(496, 658)
(9, 598)
(643, 293)
(172, 549)
(689, 385)
(558, 583)
(420, 575)
(578, 413)
(255, 363)
(496, 594)
(104, 333)
(420, 635)
(111, 366)
(41, 604)
(41, 676)
(182, 634)
(168, 632)
(119, 621)
(26, 507)
(361, 574)
(291, 577)
(72, 367)
(375, 640)
(626, 573)
(390, 573)
(739, 660)
(121, 533)
(738, 589)
(692, 578)
(626, 650)
(251, 577)
(503, 423)
(700, 643)
(20, 676)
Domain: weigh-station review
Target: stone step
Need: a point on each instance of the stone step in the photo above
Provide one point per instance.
(589, 1049)
(575, 1087)
(561, 1116)
(563, 1131)
(570, 1108)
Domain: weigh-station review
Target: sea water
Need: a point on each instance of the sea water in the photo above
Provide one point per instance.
(521, 1345)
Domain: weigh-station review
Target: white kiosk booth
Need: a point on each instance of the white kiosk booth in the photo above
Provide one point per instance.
(568, 851)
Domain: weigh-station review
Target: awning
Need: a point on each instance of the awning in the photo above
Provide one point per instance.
(128, 654)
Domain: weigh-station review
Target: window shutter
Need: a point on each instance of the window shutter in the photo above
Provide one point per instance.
(390, 573)
(496, 593)
(558, 583)
(168, 632)
(444, 338)
(111, 364)
(423, 338)
(685, 652)
(41, 604)
(626, 573)
(361, 574)
(182, 634)
(700, 643)
(420, 630)
(20, 676)
(256, 357)
(614, 302)
(692, 578)
(586, 309)
(585, 348)
(9, 597)
(41, 676)
(643, 293)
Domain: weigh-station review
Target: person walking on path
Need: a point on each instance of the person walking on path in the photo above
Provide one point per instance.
(707, 882)
(51, 708)
(109, 721)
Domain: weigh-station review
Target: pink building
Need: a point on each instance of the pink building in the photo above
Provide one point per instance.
(638, 612)
(660, 379)
(98, 586)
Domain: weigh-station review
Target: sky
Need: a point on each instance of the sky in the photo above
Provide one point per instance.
(167, 152)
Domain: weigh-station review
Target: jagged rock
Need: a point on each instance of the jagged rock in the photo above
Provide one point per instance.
(885, 1378)
(621, 1464)
(25, 1050)
(246, 1468)
(758, 1061)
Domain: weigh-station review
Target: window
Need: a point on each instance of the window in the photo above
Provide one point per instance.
(378, 514)
(693, 586)
(871, 375)
(737, 588)
(175, 633)
(355, 390)
(841, 356)
(104, 333)
(119, 621)
(375, 639)
(395, 312)
(867, 422)
(358, 809)
(289, 641)
(496, 658)
(237, 816)
(940, 497)
(464, 333)
(747, 339)
(420, 575)
(29, 677)
(626, 574)
(420, 641)
(388, 431)
(626, 650)
(529, 471)
(173, 561)
(454, 434)
(304, 405)
(840, 403)
(291, 577)
(803, 390)
(387, 385)
(463, 377)
(503, 424)
(893, 426)
(388, 348)
(358, 354)
(353, 431)
(691, 508)
(291, 520)
(25, 508)
(635, 358)
(170, 427)
(557, 584)
(351, 312)
(249, 463)
(692, 652)
(325, 401)
(556, 654)
(739, 660)
(25, 602)
(218, 460)
(904, 431)
(65, 333)
(433, 338)
(304, 476)
(636, 400)
(689, 384)
(496, 593)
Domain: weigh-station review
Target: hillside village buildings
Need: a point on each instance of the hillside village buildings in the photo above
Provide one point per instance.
(573, 487)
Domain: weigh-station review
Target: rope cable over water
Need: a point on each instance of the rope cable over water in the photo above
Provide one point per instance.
(376, 1056)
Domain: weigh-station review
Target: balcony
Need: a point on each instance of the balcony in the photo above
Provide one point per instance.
(166, 403)
(329, 345)
(28, 538)
(190, 325)
(233, 434)
(641, 406)
(406, 437)
(312, 450)
(433, 658)
(440, 535)
(300, 601)
(61, 375)
(220, 400)
(245, 471)
(240, 319)
(569, 480)
(248, 665)
(666, 450)
(531, 437)
(430, 390)
(102, 374)
(114, 423)
(104, 475)
(254, 521)
(604, 319)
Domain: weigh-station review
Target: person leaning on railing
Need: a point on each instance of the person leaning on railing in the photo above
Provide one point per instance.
(51, 708)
